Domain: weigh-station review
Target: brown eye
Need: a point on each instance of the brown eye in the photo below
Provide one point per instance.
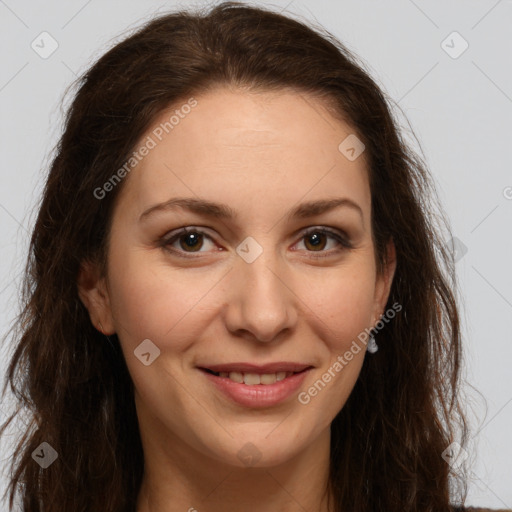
(188, 241)
(185, 241)
(316, 240)
(191, 240)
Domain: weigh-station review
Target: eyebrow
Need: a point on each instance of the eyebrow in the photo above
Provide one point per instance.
(223, 211)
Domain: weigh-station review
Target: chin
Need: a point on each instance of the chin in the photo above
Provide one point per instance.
(259, 447)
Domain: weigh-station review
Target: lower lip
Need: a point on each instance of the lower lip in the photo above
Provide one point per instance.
(258, 395)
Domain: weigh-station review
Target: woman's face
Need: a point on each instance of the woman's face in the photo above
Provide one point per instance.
(248, 175)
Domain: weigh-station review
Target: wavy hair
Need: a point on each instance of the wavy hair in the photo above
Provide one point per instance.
(405, 409)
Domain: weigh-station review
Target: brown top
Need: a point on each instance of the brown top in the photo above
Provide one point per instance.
(471, 509)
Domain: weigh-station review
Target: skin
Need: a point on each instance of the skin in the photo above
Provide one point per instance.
(262, 153)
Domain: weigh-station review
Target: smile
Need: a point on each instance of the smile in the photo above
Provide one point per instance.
(251, 388)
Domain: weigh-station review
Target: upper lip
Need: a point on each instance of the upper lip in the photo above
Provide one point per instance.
(279, 366)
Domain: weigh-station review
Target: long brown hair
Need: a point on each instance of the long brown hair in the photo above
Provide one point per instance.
(405, 409)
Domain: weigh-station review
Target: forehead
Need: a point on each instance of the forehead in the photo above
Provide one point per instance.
(250, 148)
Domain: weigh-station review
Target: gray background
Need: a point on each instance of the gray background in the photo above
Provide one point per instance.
(459, 108)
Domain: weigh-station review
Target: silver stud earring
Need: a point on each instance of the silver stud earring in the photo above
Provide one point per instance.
(372, 346)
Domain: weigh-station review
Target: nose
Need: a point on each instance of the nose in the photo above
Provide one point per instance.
(261, 303)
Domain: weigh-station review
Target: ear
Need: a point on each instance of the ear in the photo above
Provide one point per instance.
(93, 293)
(384, 281)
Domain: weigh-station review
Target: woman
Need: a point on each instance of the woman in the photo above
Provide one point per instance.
(183, 345)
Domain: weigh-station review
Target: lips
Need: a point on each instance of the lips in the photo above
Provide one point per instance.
(253, 385)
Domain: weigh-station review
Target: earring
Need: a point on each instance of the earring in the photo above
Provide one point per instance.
(372, 346)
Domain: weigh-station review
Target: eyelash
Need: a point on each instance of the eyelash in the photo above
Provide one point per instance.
(166, 241)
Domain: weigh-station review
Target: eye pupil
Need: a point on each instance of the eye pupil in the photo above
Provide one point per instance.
(317, 242)
(191, 240)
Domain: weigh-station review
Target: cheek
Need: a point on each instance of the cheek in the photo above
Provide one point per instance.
(150, 300)
(342, 310)
(343, 304)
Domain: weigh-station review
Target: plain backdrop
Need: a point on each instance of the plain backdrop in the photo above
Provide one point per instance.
(447, 64)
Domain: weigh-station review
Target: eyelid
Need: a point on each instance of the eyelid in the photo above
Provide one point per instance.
(335, 233)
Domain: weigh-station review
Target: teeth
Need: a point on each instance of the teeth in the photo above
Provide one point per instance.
(237, 377)
(252, 379)
(268, 378)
